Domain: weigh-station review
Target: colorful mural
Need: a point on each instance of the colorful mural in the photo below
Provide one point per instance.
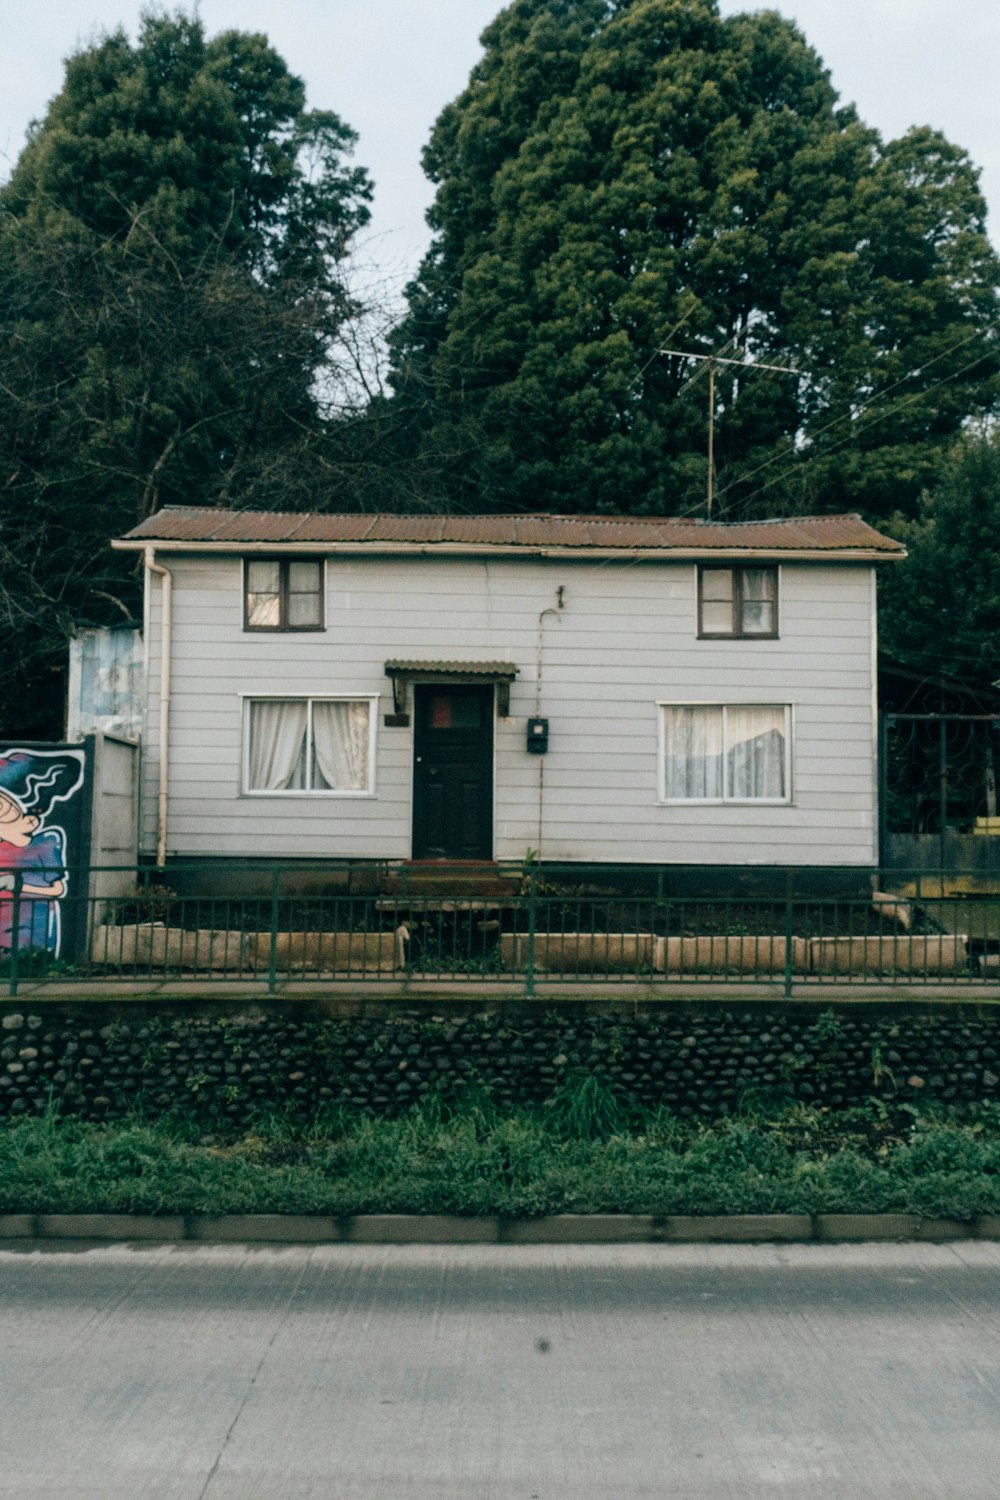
(34, 843)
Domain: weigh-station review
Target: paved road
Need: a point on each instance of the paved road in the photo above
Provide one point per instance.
(468, 1373)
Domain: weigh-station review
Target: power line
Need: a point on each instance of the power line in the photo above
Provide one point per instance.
(862, 427)
(711, 360)
(866, 406)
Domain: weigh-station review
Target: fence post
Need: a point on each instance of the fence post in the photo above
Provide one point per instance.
(272, 958)
(529, 977)
(15, 932)
(789, 926)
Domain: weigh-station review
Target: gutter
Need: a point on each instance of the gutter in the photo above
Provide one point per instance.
(627, 555)
(166, 621)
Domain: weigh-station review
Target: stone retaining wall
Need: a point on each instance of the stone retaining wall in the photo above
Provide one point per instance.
(695, 1059)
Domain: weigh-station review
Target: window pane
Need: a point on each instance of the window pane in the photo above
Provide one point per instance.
(717, 583)
(755, 753)
(716, 601)
(692, 739)
(441, 711)
(263, 578)
(264, 610)
(716, 619)
(466, 712)
(757, 617)
(304, 609)
(759, 583)
(759, 592)
(455, 711)
(340, 746)
(304, 577)
(277, 759)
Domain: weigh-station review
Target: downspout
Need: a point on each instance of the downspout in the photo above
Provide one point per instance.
(552, 610)
(166, 600)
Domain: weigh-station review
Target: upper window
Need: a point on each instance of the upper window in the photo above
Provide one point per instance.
(283, 593)
(726, 752)
(738, 601)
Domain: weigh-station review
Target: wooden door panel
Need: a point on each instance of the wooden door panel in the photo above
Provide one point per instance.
(453, 772)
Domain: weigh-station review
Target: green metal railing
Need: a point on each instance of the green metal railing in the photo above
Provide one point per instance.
(530, 928)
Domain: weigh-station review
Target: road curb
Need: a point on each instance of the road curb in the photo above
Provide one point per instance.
(443, 1229)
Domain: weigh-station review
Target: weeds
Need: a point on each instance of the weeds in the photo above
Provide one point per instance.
(587, 1149)
(585, 1108)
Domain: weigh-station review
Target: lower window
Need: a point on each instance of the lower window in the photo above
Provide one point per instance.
(726, 752)
(322, 745)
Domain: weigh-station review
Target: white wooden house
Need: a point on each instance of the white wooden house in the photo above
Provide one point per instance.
(618, 690)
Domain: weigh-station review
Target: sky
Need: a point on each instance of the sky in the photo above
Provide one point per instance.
(388, 66)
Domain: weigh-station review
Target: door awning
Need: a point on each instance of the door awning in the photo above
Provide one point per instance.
(501, 673)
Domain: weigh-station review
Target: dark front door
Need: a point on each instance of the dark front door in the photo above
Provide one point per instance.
(453, 772)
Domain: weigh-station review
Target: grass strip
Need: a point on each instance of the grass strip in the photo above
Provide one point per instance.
(587, 1151)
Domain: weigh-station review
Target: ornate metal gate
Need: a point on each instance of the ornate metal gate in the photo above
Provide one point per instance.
(938, 791)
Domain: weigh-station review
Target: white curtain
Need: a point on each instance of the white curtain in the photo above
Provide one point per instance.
(277, 745)
(340, 746)
(755, 759)
(758, 601)
(693, 752)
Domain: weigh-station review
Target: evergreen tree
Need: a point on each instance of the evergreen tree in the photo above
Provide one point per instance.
(629, 176)
(940, 611)
(172, 253)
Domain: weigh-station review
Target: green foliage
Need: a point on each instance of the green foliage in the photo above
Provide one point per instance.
(582, 1153)
(624, 176)
(585, 1108)
(172, 307)
(952, 575)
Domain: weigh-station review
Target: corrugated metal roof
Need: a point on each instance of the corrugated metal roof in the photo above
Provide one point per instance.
(489, 669)
(627, 533)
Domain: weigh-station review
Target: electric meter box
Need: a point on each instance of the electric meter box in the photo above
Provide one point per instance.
(538, 736)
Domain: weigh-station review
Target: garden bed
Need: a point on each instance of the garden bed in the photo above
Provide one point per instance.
(154, 946)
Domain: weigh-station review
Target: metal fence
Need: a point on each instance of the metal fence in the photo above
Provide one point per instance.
(273, 925)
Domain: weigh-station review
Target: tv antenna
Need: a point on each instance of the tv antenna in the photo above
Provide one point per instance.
(712, 360)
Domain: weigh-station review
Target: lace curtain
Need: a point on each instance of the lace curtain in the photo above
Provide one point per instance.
(340, 746)
(719, 754)
(285, 756)
(693, 740)
(755, 760)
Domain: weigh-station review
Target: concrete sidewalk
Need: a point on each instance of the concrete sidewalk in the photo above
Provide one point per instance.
(358, 993)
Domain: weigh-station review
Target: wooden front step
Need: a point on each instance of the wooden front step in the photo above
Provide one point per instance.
(474, 881)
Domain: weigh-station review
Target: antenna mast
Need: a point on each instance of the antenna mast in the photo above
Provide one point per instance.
(712, 360)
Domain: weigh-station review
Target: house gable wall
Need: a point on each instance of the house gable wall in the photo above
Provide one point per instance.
(624, 640)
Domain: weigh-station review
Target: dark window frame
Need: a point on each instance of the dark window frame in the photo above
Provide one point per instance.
(736, 633)
(284, 565)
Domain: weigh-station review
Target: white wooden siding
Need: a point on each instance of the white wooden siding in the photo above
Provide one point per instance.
(624, 640)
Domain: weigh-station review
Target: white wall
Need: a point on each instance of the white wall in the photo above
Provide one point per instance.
(624, 640)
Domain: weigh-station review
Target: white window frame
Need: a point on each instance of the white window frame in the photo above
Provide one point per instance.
(723, 801)
(308, 699)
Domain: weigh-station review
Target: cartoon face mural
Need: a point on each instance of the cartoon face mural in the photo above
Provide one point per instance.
(33, 843)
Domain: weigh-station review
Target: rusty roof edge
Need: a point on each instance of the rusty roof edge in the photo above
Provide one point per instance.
(892, 552)
(373, 519)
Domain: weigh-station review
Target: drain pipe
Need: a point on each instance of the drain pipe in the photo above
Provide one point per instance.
(552, 610)
(166, 602)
